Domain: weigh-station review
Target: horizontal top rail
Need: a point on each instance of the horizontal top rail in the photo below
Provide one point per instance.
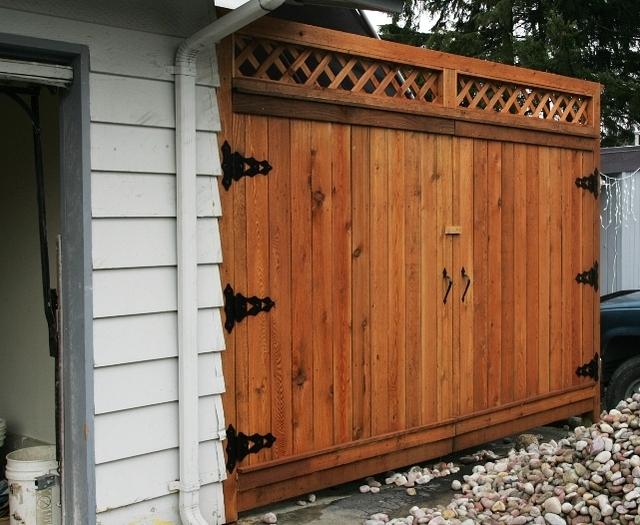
(303, 61)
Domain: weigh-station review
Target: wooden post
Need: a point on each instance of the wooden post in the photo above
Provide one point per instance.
(449, 92)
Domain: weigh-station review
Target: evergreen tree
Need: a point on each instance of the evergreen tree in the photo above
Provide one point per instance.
(596, 40)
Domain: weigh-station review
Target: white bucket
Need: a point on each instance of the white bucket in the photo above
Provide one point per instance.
(34, 488)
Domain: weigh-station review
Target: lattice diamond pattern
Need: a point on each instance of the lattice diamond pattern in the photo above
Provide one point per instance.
(320, 68)
(489, 95)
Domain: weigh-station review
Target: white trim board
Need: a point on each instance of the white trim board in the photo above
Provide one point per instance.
(48, 74)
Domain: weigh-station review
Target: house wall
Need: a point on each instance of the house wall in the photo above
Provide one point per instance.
(27, 400)
(134, 250)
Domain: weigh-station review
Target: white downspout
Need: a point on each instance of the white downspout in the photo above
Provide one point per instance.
(185, 96)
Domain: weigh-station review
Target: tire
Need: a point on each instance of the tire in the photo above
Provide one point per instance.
(623, 383)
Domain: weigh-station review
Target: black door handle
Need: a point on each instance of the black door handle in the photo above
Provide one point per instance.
(449, 280)
(466, 276)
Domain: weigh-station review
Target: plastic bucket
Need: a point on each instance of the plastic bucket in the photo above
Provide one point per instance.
(34, 488)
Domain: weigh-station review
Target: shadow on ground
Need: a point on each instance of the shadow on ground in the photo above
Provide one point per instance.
(344, 504)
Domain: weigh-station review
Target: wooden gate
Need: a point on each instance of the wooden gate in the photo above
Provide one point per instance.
(420, 231)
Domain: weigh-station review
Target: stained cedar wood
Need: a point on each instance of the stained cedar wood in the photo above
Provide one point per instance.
(227, 270)
(466, 260)
(361, 250)
(588, 258)
(531, 275)
(554, 200)
(412, 190)
(279, 206)
(321, 202)
(342, 285)
(379, 209)
(481, 281)
(569, 238)
(259, 340)
(520, 241)
(444, 352)
(456, 266)
(431, 276)
(494, 272)
(508, 285)
(576, 266)
(544, 189)
(396, 384)
(301, 288)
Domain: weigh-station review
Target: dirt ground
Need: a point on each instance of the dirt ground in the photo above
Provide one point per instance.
(344, 504)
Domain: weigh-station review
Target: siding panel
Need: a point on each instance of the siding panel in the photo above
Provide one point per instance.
(131, 433)
(118, 340)
(124, 482)
(151, 383)
(147, 195)
(129, 243)
(144, 102)
(117, 147)
(146, 290)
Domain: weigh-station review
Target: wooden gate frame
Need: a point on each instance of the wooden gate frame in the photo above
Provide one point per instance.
(401, 87)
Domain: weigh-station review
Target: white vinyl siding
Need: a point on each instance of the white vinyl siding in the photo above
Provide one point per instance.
(133, 200)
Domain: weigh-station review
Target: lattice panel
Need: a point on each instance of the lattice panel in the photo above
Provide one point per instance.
(319, 68)
(518, 100)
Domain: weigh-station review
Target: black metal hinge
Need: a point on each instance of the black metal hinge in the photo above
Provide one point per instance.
(590, 277)
(237, 306)
(235, 166)
(590, 369)
(590, 183)
(238, 445)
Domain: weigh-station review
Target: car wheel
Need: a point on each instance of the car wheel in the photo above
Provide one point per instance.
(624, 382)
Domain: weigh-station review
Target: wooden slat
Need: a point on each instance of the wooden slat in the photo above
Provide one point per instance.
(361, 303)
(569, 239)
(588, 258)
(494, 272)
(379, 209)
(533, 312)
(414, 355)
(444, 256)
(342, 284)
(520, 242)
(543, 269)
(465, 169)
(430, 277)
(509, 317)
(396, 298)
(554, 202)
(481, 280)
(322, 307)
(279, 202)
(258, 280)
(302, 359)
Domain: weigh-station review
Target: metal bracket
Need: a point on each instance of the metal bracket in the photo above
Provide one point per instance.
(590, 277)
(590, 369)
(590, 183)
(236, 306)
(235, 166)
(238, 445)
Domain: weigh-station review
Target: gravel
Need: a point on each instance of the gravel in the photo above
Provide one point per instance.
(591, 476)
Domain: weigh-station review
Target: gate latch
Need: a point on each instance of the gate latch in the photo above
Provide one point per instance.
(590, 277)
(237, 306)
(590, 369)
(235, 166)
(591, 183)
(238, 446)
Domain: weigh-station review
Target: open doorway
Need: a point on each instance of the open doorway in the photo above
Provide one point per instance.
(28, 386)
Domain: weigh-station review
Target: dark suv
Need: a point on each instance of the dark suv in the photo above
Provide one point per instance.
(620, 344)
